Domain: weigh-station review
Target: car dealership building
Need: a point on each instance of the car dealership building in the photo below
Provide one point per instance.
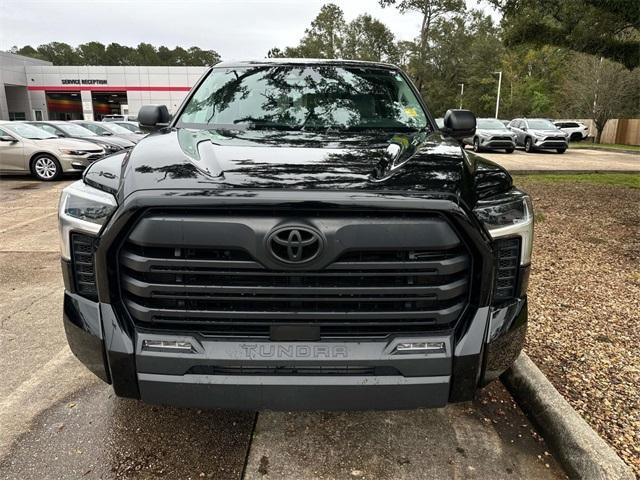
(38, 90)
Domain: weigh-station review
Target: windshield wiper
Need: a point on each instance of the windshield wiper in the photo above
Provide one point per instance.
(261, 124)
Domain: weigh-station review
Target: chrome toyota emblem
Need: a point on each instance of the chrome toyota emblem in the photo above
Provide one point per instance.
(295, 244)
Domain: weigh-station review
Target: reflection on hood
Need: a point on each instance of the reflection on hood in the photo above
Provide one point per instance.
(259, 159)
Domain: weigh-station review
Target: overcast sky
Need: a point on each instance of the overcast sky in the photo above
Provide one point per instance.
(236, 29)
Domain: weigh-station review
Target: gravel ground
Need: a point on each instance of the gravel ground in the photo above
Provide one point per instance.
(585, 301)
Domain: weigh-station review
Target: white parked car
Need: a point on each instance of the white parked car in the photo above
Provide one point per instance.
(576, 130)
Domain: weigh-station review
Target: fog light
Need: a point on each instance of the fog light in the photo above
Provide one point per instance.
(180, 346)
(420, 347)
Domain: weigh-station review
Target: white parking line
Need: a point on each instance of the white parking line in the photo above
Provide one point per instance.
(27, 222)
(55, 380)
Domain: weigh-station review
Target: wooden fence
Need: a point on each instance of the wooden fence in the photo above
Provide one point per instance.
(624, 131)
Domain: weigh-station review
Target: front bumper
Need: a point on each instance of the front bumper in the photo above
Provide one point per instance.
(492, 143)
(226, 373)
(550, 144)
(74, 163)
(363, 373)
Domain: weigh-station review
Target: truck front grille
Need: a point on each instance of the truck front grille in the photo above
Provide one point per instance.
(227, 291)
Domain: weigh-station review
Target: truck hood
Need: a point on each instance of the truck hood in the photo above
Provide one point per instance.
(180, 159)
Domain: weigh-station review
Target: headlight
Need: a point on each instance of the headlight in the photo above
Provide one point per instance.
(509, 215)
(76, 153)
(110, 148)
(82, 208)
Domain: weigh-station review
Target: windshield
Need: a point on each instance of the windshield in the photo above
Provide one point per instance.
(74, 130)
(129, 126)
(302, 97)
(541, 124)
(490, 124)
(28, 131)
(117, 129)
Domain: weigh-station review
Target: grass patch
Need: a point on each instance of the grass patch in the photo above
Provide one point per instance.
(630, 180)
(616, 146)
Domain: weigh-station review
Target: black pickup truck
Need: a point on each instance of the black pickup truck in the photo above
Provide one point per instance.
(299, 235)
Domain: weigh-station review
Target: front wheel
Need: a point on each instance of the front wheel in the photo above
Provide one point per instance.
(509, 150)
(561, 150)
(476, 145)
(528, 145)
(46, 168)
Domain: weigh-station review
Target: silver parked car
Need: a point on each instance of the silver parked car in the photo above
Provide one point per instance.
(131, 126)
(59, 128)
(538, 134)
(28, 149)
(491, 134)
(109, 128)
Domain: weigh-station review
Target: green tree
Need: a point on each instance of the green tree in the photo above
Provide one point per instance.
(600, 89)
(116, 54)
(432, 12)
(603, 28)
(91, 53)
(369, 39)
(59, 53)
(27, 51)
(323, 39)
(95, 53)
(147, 54)
(530, 81)
(199, 57)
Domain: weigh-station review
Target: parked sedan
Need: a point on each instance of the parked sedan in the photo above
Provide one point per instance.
(110, 144)
(109, 128)
(131, 126)
(576, 130)
(538, 134)
(491, 134)
(28, 149)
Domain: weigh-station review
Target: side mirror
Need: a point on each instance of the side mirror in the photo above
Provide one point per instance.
(459, 124)
(7, 138)
(153, 117)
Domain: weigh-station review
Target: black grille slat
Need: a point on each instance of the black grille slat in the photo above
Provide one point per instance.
(141, 288)
(228, 291)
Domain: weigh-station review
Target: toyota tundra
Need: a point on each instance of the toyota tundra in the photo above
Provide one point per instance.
(299, 235)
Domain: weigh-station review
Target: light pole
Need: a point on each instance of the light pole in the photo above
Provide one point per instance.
(499, 86)
(461, 93)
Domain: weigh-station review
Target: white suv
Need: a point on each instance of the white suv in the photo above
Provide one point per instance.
(577, 131)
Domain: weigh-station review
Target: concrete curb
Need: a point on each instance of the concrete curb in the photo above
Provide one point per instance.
(577, 446)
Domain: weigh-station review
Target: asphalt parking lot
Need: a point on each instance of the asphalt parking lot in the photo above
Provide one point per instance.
(58, 421)
(574, 159)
